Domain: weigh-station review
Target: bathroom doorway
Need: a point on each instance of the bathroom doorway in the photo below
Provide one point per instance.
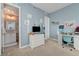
(11, 27)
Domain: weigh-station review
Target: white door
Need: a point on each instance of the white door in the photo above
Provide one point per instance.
(47, 23)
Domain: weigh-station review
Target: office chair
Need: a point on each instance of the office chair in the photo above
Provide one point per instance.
(68, 40)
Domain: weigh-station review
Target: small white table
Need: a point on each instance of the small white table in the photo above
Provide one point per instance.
(36, 40)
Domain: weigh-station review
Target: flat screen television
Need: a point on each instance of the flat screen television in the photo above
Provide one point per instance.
(77, 29)
(36, 29)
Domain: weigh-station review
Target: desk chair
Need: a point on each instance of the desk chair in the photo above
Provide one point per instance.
(68, 40)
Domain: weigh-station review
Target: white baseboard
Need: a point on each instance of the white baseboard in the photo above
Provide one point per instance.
(25, 46)
(53, 39)
(12, 44)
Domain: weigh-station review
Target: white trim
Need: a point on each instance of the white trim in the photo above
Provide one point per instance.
(20, 27)
(14, 5)
(12, 44)
(25, 46)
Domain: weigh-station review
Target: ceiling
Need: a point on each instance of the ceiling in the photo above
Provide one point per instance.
(50, 7)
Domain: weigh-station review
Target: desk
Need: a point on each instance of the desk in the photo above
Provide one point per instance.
(76, 42)
(75, 39)
(60, 37)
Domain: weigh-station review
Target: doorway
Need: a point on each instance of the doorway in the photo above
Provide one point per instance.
(47, 27)
(11, 28)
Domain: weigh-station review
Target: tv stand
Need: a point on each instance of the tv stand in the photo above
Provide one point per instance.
(36, 40)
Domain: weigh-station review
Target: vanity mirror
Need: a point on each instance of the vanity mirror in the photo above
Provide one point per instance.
(10, 26)
(10, 18)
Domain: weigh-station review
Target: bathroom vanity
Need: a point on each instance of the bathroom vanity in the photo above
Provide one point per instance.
(10, 39)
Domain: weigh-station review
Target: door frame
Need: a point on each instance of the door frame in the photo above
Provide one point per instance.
(16, 6)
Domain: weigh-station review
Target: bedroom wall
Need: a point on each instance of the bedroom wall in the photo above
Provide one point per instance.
(69, 13)
(37, 14)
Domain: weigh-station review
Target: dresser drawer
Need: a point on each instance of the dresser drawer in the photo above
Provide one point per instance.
(36, 36)
(36, 44)
(39, 39)
(36, 40)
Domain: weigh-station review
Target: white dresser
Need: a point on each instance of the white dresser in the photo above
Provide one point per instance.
(36, 40)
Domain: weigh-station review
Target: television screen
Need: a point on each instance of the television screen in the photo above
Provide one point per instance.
(77, 29)
(36, 29)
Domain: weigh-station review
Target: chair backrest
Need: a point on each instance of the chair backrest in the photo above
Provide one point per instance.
(67, 39)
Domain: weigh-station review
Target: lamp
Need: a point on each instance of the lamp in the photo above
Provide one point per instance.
(9, 17)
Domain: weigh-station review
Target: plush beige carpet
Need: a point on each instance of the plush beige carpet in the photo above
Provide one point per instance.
(51, 48)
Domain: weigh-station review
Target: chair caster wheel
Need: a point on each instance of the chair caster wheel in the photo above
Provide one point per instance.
(70, 49)
(74, 48)
(63, 47)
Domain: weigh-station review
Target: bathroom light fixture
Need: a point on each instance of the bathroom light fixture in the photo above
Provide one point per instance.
(9, 14)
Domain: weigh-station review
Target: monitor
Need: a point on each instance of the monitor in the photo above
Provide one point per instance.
(36, 29)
